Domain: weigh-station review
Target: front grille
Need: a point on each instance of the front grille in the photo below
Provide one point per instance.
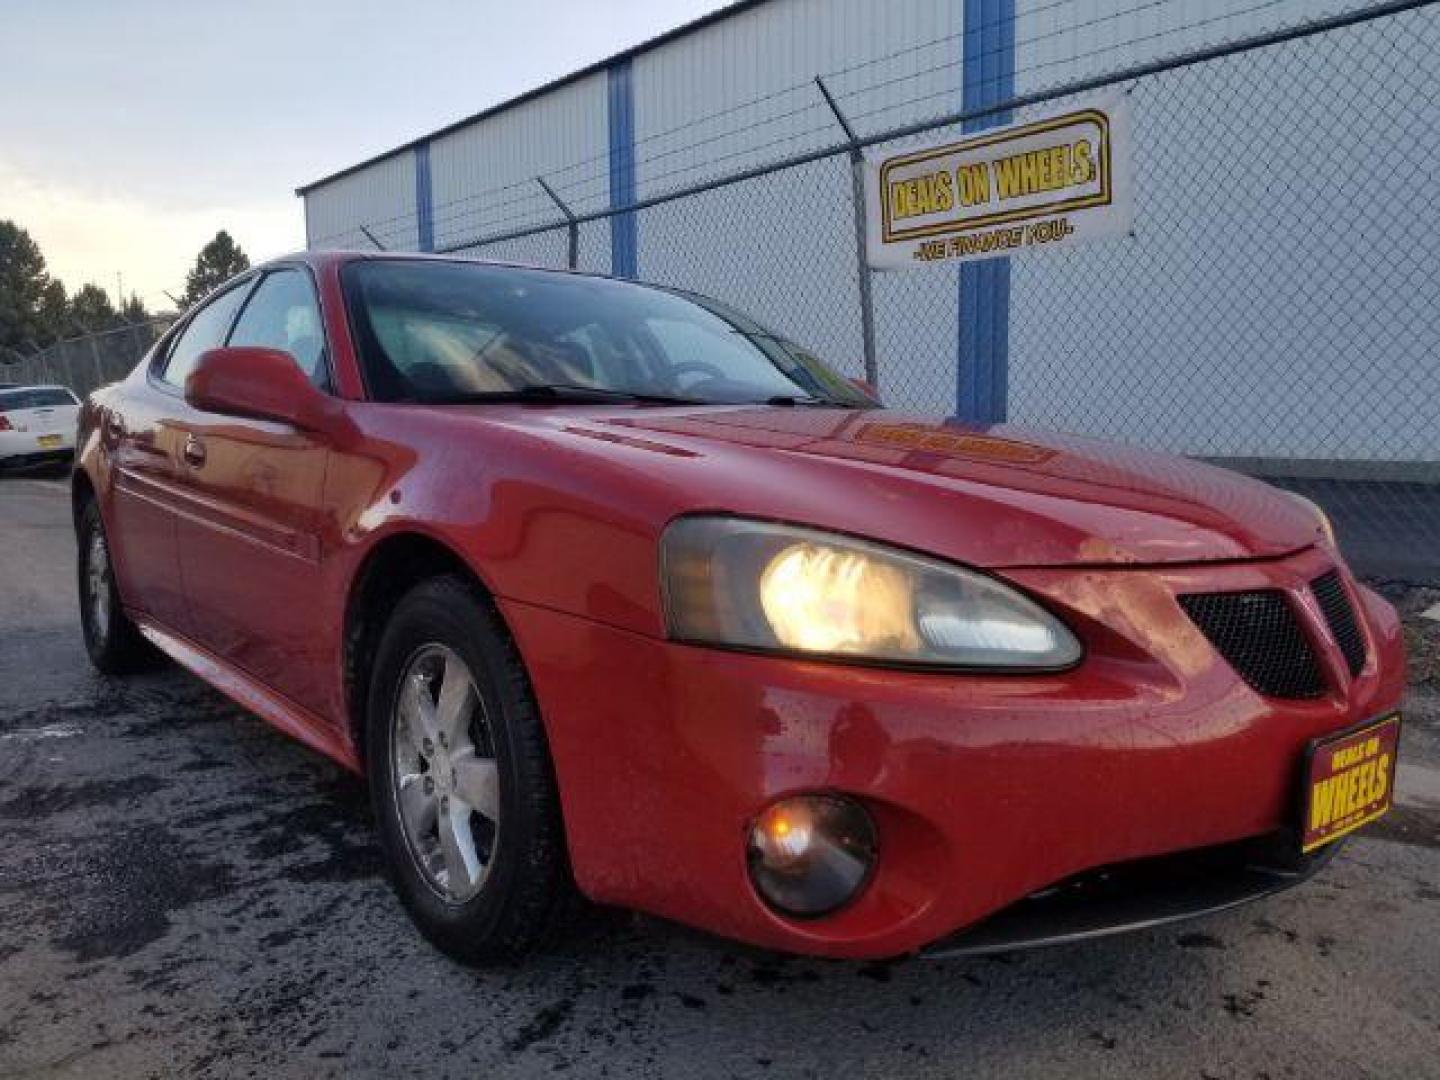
(1335, 605)
(1258, 634)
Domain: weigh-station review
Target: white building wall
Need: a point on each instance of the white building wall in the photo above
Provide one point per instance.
(1055, 45)
(483, 175)
(1188, 336)
(1181, 337)
(380, 196)
(782, 247)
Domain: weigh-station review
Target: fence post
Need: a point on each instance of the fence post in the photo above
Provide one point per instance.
(99, 366)
(572, 227)
(862, 264)
(139, 339)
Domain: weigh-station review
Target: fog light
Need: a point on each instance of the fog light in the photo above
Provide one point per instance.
(811, 854)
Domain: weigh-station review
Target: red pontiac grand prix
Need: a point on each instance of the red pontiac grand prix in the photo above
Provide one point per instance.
(609, 590)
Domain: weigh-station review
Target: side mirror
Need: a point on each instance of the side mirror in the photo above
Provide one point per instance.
(263, 384)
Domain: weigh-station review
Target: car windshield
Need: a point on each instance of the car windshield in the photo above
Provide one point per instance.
(40, 397)
(440, 331)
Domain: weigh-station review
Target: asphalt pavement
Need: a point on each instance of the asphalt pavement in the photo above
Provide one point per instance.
(185, 892)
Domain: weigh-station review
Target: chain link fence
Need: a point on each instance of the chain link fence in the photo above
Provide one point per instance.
(1273, 310)
(86, 363)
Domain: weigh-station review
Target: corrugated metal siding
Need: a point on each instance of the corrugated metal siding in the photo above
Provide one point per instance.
(691, 96)
(1056, 45)
(381, 197)
(483, 176)
(1183, 337)
(739, 92)
(782, 247)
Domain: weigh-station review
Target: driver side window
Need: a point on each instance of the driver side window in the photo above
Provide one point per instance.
(282, 314)
(206, 330)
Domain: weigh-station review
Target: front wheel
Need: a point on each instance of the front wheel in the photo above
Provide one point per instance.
(460, 774)
(111, 639)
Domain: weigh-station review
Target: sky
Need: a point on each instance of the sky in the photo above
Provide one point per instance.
(131, 132)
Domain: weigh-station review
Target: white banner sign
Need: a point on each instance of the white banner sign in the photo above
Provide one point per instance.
(1046, 183)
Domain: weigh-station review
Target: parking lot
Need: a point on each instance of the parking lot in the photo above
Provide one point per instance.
(185, 892)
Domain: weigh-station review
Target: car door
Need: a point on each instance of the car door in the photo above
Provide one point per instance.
(250, 543)
(140, 428)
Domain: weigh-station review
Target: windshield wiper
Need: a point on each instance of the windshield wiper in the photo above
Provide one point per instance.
(792, 401)
(575, 392)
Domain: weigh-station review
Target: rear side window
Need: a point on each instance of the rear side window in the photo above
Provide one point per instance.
(42, 398)
(282, 314)
(206, 330)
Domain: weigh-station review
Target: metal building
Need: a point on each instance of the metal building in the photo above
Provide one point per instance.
(1257, 266)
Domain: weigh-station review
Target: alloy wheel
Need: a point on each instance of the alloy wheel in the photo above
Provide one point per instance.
(444, 773)
(97, 583)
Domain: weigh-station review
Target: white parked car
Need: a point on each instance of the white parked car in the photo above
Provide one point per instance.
(37, 425)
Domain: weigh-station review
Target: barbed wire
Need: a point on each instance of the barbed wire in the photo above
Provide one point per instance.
(445, 216)
(1076, 59)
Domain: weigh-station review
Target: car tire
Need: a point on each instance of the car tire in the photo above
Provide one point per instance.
(113, 642)
(513, 890)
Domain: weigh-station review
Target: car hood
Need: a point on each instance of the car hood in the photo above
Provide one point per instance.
(997, 496)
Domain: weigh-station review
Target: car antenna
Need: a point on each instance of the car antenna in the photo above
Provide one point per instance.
(371, 237)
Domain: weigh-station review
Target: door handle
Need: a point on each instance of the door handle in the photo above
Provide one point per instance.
(194, 452)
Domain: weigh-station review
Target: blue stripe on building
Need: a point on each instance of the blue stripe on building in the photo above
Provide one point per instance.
(983, 358)
(424, 200)
(624, 253)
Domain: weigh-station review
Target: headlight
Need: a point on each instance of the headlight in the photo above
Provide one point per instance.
(1326, 526)
(757, 585)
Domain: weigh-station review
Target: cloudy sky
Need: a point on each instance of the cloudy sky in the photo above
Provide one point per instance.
(131, 132)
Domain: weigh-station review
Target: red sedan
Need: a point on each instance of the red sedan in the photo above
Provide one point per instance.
(608, 589)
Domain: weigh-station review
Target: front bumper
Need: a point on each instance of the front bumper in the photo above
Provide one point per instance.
(37, 458)
(1141, 895)
(985, 789)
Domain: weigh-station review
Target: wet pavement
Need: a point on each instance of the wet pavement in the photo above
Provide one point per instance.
(185, 892)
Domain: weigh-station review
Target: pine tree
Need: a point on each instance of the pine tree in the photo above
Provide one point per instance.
(133, 310)
(218, 261)
(23, 281)
(55, 315)
(91, 310)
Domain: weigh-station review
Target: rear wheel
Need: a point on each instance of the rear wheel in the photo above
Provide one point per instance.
(111, 639)
(464, 792)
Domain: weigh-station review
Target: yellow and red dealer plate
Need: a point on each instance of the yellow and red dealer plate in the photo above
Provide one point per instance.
(1349, 781)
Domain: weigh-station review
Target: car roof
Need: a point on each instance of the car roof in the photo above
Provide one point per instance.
(332, 257)
(339, 256)
(329, 257)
